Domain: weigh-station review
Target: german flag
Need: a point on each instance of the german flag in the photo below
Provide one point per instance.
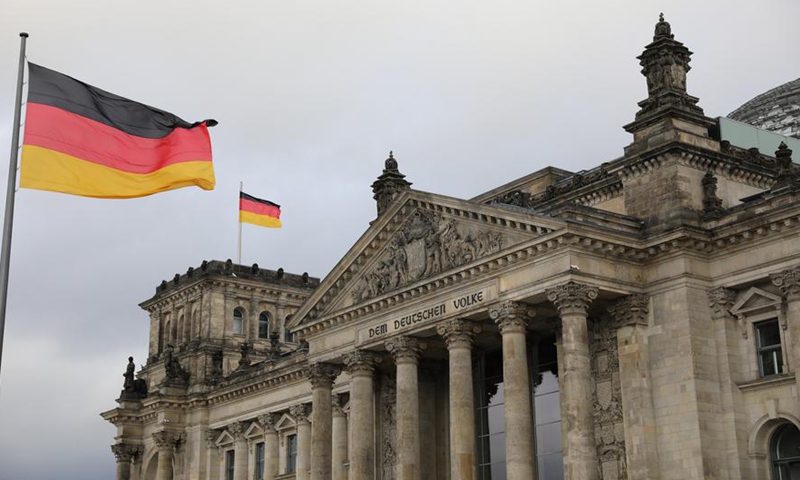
(259, 212)
(85, 141)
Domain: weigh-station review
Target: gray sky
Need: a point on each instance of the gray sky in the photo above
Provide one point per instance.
(311, 95)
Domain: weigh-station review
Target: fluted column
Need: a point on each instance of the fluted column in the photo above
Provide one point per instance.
(406, 352)
(125, 454)
(580, 455)
(360, 364)
(512, 319)
(458, 335)
(166, 442)
(300, 414)
(629, 317)
(339, 455)
(789, 283)
(321, 376)
(271, 455)
(237, 430)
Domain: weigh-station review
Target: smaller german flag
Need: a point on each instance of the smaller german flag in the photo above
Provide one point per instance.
(259, 212)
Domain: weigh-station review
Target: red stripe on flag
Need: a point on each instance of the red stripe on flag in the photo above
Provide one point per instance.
(259, 208)
(80, 137)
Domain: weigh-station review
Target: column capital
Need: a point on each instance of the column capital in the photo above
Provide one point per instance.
(720, 300)
(572, 298)
(361, 362)
(789, 283)
(511, 316)
(211, 437)
(630, 310)
(458, 332)
(322, 374)
(267, 422)
(338, 401)
(300, 413)
(126, 452)
(238, 429)
(405, 349)
(167, 440)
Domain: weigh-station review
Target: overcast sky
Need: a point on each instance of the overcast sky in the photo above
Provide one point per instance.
(310, 95)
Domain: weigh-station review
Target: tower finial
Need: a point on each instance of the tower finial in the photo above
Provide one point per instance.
(390, 184)
(661, 17)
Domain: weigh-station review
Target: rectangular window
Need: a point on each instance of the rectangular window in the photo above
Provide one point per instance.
(229, 458)
(259, 461)
(768, 347)
(291, 453)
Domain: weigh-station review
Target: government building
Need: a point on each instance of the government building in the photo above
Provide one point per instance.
(639, 320)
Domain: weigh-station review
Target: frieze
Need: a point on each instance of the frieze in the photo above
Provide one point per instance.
(427, 245)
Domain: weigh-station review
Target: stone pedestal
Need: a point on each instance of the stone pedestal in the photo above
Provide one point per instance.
(271, 455)
(125, 454)
(406, 351)
(458, 334)
(321, 376)
(300, 414)
(580, 455)
(361, 367)
(512, 318)
(339, 455)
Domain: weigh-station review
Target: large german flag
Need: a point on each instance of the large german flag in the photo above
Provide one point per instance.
(85, 141)
(258, 211)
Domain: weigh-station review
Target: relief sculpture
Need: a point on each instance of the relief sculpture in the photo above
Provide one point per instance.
(427, 245)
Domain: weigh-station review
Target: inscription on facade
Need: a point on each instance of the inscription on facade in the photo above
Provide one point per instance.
(425, 314)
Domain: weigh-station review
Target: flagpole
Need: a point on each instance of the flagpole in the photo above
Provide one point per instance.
(241, 186)
(8, 222)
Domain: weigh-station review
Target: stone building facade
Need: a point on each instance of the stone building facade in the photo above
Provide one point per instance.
(639, 320)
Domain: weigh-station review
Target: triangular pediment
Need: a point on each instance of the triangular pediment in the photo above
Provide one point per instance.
(254, 431)
(284, 422)
(420, 237)
(224, 438)
(754, 301)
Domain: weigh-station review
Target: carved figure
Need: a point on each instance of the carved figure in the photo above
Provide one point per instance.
(129, 373)
(174, 372)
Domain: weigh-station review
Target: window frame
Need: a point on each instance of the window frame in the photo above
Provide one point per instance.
(230, 462)
(259, 460)
(769, 349)
(268, 323)
(238, 320)
(291, 456)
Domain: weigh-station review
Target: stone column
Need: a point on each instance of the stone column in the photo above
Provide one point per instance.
(458, 335)
(300, 414)
(360, 365)
(339, 455)
(125, 454)
(271, 455)
(580, 455)
(406, 352)
(237, 430)
(789, 283)
(166, 442)
(321, 376)
(512, 319)
(629, 316)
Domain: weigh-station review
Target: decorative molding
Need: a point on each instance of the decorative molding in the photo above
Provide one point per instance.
(126, 452)
(721, 301)
(322, 375)
(300, 413)
(405, 349)
(361, 362)
(789, 283)
(338, 403)
(238, 430)
(458, 333)
(511, 316)
(166, 440)
(572, 298)
(630, 310)
(267, 422)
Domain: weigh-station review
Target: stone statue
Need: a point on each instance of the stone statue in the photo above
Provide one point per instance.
(129, 373)
(133, 388)
(175, 374)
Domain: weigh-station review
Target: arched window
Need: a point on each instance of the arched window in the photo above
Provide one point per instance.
(238, 321)
(785, 451)
(263, 325)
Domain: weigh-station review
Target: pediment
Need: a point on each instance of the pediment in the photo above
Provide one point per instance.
(224, 438)
(754, 301)
(254, 431)
(421, 236)
(284, 422)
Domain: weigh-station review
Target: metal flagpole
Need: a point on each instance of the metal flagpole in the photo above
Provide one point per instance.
(8, 223)
(241, 186)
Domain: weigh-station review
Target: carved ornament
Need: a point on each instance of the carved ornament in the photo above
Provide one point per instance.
(166, 440)
(267, 422)
(405, 349)
(511, 316)
(361, 362)
(427, 245)
(338, 401)
(300, 413)
(789, 283)
(322, 375)
(721, 300)
(631, 310)
(458, 333)
(572, 298)
(238, 429)
(126, 452)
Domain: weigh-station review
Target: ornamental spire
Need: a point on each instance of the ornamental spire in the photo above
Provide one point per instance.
(390, 184)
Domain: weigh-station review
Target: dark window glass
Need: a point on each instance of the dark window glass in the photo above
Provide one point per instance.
(768, 345)
(229, 457)
(786, 453)
(490, 419)
(238, 321)
(259, 461)
(263, 325)
(291, 454)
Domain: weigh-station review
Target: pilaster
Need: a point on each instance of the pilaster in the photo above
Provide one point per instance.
(271, 456)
